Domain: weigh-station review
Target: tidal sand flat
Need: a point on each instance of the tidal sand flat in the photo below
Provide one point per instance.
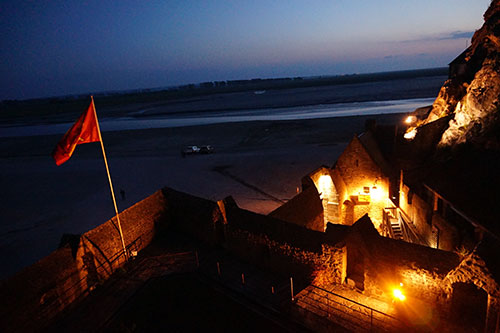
(262, 161)
(272, 139)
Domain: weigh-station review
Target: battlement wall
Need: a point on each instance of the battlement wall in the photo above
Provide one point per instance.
(39, 292)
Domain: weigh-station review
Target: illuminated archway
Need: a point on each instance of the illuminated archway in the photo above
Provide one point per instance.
(469, 305)
(328, 195)
(329, 198)
(348, 212)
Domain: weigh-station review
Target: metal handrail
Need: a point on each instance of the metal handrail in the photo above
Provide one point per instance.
(354, 302)
(386, 223)
(391, 320)
(409, 226)
(78, 287)
(410, 235)
(404, 229)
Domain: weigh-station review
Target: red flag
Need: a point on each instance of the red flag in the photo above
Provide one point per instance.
(84, 130)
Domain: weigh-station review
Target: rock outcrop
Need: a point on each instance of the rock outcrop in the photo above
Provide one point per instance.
(477, 112)
(472, 97)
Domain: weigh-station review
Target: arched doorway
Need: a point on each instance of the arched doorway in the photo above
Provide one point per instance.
(329, 198)
(348, 212)
(468, 306)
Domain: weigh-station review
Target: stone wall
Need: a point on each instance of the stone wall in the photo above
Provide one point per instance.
(39, 292)
(359, 171)
(419, 212)
(448, 236)
(34, 296)
(478, 269)
(100, 250)
(283, 247)
(418, 271)
(198, 217)
(377, 264)
(432, 227)
(305, 209)
(327, 190)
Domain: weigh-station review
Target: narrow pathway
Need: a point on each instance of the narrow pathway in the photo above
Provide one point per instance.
(93, 312)
(349, 309)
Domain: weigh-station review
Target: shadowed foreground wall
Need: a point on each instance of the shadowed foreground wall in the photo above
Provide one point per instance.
(198, 217)
(283, 247)
(36, 294)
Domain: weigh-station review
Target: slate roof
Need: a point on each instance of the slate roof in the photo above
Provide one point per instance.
(304, 209)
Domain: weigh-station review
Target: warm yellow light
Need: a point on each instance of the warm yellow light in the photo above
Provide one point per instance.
(377, 193)
(398, 294)
(325, 185)
(410, 134)
(410, 120)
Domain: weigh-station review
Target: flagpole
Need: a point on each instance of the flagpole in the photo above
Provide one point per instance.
(109, 179)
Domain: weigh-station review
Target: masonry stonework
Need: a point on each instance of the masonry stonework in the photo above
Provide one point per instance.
(366, 186)
(39, 292)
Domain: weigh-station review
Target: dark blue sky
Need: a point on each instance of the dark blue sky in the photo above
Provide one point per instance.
(51, 48)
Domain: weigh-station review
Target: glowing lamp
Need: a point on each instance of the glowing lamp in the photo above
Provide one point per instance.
(410, 134)
(410, 120)
(398, 294)
(377, 193)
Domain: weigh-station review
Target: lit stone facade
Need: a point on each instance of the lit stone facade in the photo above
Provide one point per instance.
(354, 187)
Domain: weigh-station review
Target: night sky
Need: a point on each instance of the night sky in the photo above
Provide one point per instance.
(51, 48)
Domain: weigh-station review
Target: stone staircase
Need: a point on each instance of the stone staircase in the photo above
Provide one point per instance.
(396, 228)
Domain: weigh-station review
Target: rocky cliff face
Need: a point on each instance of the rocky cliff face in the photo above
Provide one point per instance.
(473, 96)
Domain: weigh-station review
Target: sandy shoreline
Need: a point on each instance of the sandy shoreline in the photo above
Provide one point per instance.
(42, 201)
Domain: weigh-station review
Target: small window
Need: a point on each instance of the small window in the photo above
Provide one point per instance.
(440, 207)
(366, 189)
(357, 164)
(410, 197)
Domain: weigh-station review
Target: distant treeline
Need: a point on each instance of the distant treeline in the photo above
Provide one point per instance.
(297, 82)
(58, 105)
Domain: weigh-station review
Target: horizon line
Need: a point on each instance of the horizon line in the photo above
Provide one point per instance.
(161, 88)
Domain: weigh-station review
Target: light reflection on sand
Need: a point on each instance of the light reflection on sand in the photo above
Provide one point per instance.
(216, 117)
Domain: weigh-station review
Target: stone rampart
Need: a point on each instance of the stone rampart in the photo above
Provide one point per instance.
(198, 217)
(283, 247)
(35, 295)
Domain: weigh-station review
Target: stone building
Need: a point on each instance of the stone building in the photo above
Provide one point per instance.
(458, 66)
(356, 185)
(436, 188)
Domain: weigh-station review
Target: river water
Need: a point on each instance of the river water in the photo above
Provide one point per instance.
(215, 117)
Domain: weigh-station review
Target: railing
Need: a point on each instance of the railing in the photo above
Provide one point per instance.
(405, 230)
(349, 313)
(386, 225)
(412, 234)
(59, 299)
(267, 289)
